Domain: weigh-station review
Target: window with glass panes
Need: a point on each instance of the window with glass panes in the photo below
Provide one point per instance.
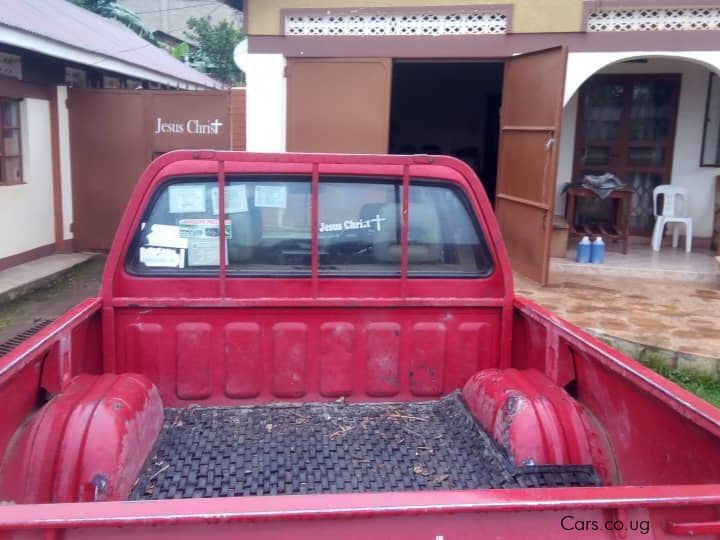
(268, 229)
(10, 147)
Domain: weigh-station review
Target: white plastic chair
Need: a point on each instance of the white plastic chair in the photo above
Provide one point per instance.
(674, 212)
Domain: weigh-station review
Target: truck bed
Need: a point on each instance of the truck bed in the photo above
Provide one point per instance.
(333, 448)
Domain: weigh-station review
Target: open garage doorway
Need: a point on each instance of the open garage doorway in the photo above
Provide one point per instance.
(449, 107)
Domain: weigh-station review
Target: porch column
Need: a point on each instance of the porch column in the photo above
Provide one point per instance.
(55, 160)
(266, 99)
(65, 167)
(61, 180)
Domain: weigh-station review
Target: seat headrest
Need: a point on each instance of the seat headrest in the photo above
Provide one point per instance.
(246, 228)
(424, 234)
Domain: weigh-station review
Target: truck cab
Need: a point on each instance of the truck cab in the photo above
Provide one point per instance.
(321, 345)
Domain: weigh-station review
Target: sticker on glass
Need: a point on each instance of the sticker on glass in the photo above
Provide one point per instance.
(159, 257)
(235, 199)
(203, 252)
(203, 228)
(165, 236)
(372, 225)
(186, 198)
(271, 196)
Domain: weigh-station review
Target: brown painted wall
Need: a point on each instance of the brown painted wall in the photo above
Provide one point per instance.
(264, 16)
(113, 137)
(237, 118)
(348, 112)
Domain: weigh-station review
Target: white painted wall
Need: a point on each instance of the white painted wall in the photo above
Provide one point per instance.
(565, 154)
(266, 99)
(65, 165)
(712, 152)
(26, 210)
(686, 170)
(581, 66)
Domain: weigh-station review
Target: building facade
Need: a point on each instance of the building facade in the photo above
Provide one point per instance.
(637, 84)
(41, 58)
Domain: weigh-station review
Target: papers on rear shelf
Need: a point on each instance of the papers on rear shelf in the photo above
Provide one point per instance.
(166, 236)
(204, 240)
(166, 245)
(204, 252)
(159, 257)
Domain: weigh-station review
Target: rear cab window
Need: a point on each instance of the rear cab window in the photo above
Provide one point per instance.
(268, 229)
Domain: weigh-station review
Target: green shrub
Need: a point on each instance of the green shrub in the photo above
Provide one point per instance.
(705, 386)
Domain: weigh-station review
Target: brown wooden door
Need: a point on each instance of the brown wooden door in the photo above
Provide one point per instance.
(626, 126)
(530, 119)
(113, 136)
(338, 105)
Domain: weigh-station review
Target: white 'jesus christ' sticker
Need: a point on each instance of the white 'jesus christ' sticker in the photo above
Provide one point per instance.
(374, 224)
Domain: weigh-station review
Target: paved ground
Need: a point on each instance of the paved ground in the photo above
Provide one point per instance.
(81, 282)
(643, 263)
(670, 315)
(43, 272)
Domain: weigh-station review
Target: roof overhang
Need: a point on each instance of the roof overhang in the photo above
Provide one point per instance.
(50, 47)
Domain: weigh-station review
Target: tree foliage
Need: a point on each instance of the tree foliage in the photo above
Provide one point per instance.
(110, 9)
(181, 51)
(213, 44)
(216, 44)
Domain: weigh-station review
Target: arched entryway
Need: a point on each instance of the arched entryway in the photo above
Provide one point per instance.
(642, 117)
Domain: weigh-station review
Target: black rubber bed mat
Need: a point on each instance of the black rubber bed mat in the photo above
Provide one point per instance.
(333, 448)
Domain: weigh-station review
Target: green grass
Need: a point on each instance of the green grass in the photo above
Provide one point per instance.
(705, 386)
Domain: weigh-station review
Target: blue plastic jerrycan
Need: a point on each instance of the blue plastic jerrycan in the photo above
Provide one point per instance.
(583, 250)
(597, 251)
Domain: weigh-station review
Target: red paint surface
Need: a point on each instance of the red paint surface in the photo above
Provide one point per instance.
(383, 359)
(337, 349)
(243, 367)
(659, 433)
(97, 432)
(306, 353)
(289, 360)
(537, 422)
(234, 341)
(193, 365)
(427, 359)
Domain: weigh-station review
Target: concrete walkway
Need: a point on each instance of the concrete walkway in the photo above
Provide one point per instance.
(682, 319)
(24, 278)
(642, 263)
(53, 287)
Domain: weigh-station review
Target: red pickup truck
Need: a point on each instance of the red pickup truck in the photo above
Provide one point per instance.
(344, 357)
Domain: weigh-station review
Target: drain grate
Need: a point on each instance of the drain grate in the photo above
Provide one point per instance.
(10, 344)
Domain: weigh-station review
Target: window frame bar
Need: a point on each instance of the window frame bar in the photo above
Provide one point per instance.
(708, 97)
(222, 270)
(314, 229)
(404, 231)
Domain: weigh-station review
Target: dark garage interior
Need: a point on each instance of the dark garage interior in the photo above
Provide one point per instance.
(448, 108)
